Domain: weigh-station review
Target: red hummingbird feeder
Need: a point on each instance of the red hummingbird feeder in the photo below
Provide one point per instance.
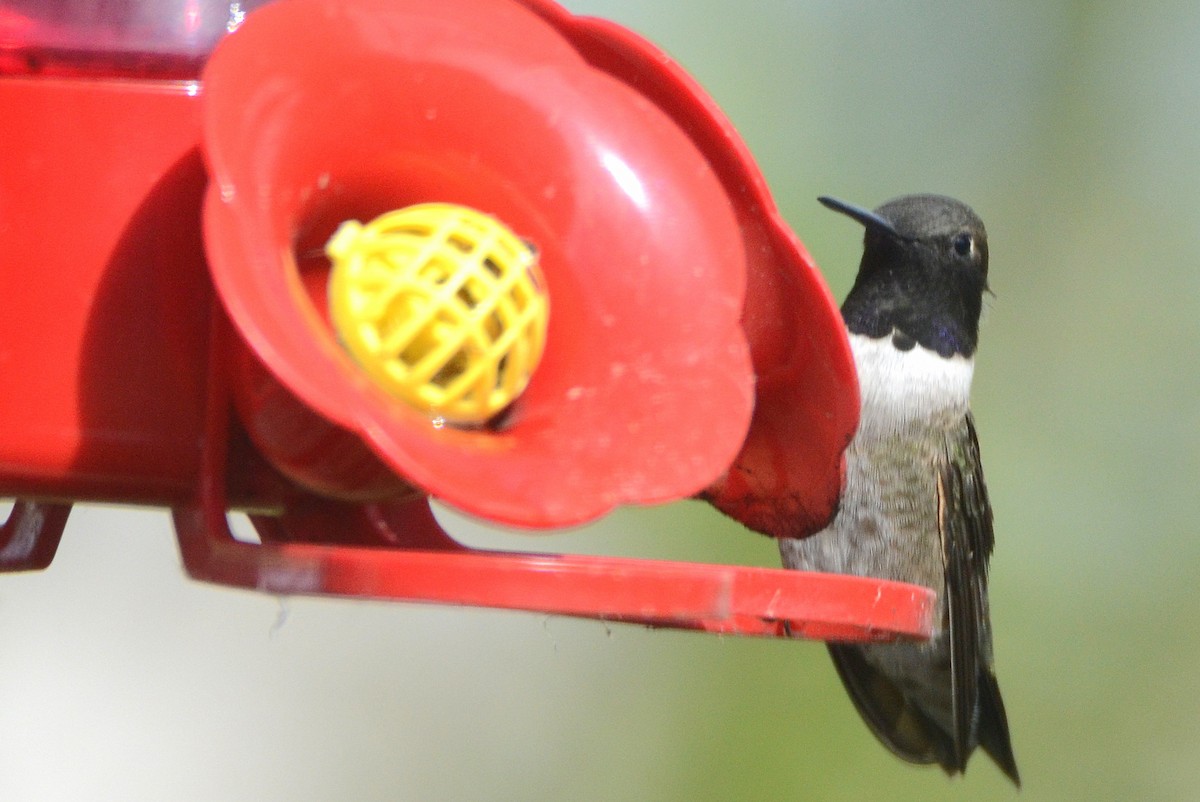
(322, 262)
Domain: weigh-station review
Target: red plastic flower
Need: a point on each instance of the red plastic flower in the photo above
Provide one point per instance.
(645, 210)
(787, 479)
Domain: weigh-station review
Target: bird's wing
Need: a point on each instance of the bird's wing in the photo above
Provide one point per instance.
(964, 519)
(965, 527)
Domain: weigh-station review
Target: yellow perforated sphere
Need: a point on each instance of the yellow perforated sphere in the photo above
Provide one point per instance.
(442, 305)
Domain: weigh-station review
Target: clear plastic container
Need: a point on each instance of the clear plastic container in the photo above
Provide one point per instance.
(136, 39)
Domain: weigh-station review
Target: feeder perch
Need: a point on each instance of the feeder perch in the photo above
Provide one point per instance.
(536, 285)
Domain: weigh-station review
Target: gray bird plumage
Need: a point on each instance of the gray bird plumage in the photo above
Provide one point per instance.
(915, 506)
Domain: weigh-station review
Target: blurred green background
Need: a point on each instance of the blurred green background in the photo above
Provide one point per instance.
(1074, 130)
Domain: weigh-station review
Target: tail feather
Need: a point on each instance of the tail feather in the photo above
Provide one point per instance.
(900, 726)
(908, 732)
(993, 726)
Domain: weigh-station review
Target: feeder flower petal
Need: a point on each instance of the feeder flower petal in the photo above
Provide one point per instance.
(316, 113)
(787, 479)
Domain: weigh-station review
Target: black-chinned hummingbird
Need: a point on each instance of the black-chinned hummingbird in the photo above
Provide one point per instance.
(914, 507)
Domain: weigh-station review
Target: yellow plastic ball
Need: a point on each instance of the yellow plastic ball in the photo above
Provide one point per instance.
(442, 305)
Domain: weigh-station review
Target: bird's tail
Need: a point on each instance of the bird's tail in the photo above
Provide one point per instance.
(907, 731)
(993, 726)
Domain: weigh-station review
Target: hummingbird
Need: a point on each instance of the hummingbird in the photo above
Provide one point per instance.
(915, 507)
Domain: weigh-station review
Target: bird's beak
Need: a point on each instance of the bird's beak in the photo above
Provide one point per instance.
(864, 216)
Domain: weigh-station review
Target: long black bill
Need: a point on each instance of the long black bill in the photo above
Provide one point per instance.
(864, 216)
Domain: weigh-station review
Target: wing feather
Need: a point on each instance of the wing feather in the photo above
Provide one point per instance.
(965, 527)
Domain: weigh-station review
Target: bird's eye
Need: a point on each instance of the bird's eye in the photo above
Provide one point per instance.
(963, 245)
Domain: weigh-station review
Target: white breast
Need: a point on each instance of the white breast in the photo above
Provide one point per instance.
(905, 388)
